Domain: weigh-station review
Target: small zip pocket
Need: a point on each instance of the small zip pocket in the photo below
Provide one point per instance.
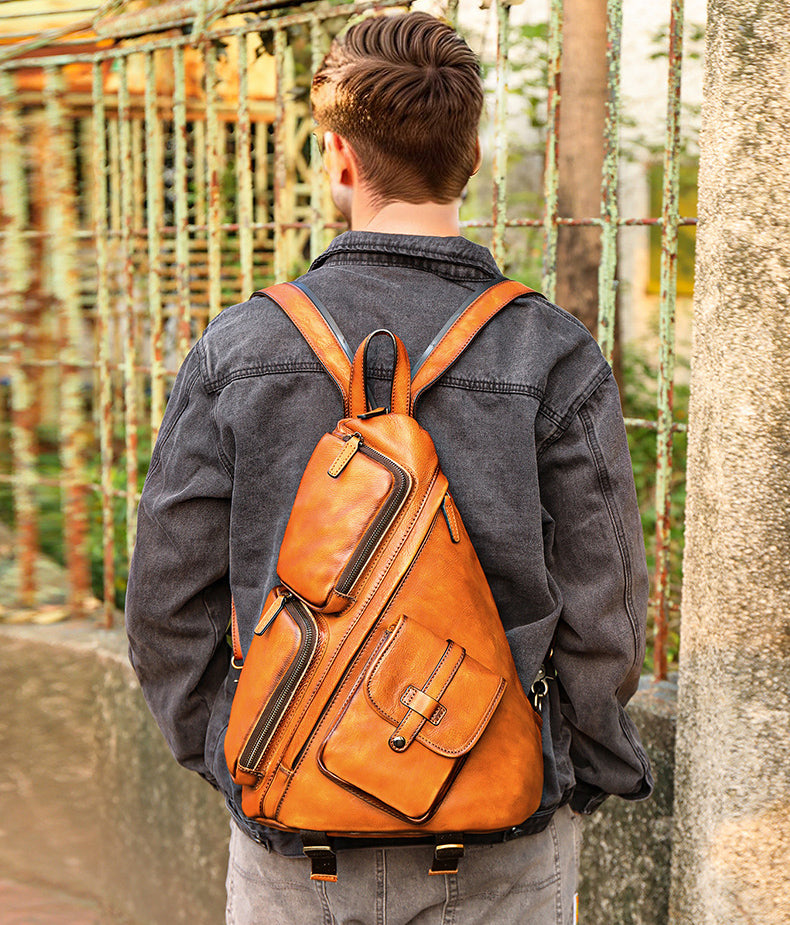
(349, 496)
(285, 642)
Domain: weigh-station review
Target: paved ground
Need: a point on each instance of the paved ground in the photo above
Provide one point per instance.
(24, 903)
(27, 904)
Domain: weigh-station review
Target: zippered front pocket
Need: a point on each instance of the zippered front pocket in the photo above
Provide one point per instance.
(380, 523)
(282, 651)
(349, 496)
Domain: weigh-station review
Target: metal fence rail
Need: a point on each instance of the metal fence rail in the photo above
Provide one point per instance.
(156, 177)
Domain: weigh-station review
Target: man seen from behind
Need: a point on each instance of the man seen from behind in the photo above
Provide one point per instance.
(529, 432)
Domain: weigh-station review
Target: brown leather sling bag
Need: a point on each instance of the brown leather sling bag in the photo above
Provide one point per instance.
(378, 696)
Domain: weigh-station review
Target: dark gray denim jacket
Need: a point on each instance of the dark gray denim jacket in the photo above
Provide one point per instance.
(528, 428)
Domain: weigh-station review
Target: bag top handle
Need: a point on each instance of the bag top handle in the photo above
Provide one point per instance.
(400, 393)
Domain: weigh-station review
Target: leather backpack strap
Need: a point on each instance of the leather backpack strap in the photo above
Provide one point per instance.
(238, 655)
(460, 331)
(319, 329)
(325, 339)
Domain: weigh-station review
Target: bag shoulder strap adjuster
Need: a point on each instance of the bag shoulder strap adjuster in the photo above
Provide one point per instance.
(448, 852)
(323, 860)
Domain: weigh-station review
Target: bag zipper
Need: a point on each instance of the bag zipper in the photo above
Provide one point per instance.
(346, 672)
(280, 700)
(375, 532)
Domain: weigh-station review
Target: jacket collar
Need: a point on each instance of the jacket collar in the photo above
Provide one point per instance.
(452, 257)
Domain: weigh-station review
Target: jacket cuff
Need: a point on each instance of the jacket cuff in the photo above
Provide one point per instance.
(586, 799)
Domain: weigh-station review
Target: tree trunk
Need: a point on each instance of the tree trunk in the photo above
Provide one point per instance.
(582, 114)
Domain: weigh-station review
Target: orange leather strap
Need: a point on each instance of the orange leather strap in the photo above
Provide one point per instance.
(327, 342)
(462, 331)
(238, 655)
(432, 690)
(317, 331)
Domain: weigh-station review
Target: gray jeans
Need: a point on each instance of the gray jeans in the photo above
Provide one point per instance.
(527, 881)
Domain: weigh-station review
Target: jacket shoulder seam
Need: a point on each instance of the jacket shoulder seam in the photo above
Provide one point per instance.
(211, 393)
(562, 313)
(226, 463)
(564, 421)
(165, 435)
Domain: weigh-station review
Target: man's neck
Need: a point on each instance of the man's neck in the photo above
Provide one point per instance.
(426, 218)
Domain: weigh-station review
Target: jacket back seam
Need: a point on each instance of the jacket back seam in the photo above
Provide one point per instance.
(265, 369)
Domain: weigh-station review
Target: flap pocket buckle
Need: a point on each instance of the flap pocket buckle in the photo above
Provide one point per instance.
(448, 695)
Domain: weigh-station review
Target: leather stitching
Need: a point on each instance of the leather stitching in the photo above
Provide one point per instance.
(437, 713)
(296, 295)
(504, 287)
(317, 685)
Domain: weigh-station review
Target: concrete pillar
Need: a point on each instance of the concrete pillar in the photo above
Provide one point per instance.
(731, 845)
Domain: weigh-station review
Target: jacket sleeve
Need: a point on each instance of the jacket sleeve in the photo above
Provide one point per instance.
(597, 559)
(178, 596)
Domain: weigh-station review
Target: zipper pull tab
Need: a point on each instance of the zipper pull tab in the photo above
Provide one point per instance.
(267, 618)
(345, 455)
(449, 515)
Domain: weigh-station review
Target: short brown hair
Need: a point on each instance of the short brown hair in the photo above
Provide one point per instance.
(406, 92)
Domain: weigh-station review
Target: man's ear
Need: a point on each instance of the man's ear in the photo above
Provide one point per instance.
(478, 156)
(341, 165)
(340, 160)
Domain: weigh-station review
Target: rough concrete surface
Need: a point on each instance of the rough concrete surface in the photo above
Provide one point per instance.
(626, 846)
(731, 861)
(33, 904)
(90, 799)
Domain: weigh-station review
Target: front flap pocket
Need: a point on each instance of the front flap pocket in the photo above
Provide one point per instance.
(423, 704)
(347, 498)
